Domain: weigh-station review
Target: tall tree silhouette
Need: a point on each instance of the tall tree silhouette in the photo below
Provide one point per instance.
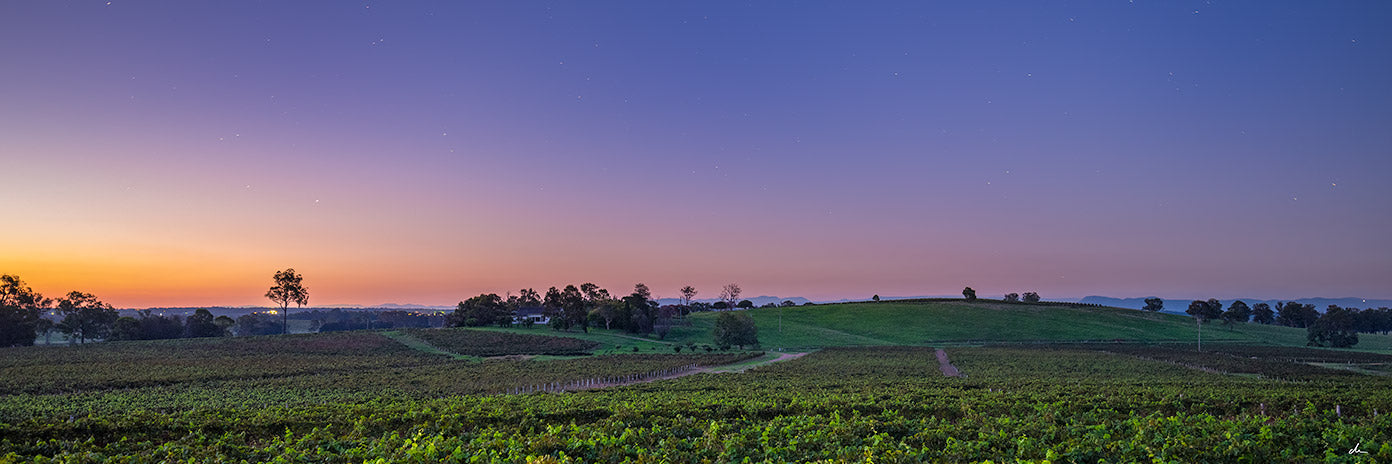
(84, 316)
(19, 312)
(289, 288)
(1204, 311)
(688, 292)
(730, 294)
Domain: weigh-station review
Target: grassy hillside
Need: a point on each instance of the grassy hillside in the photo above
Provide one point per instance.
(959, 322)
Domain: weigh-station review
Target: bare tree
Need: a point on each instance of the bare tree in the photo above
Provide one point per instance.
(688, 292)
(730, 294)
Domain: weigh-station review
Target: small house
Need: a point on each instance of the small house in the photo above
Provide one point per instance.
(536, 314)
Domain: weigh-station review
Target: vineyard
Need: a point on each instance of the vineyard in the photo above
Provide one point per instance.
(1119, 403)
(481, 343)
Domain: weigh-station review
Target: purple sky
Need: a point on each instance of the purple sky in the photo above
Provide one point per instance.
(179, 153)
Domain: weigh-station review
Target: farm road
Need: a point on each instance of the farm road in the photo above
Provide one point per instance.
(728, 368)
(946, 366)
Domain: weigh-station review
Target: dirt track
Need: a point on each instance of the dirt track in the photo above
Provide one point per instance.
(702, 370)
(946, 366)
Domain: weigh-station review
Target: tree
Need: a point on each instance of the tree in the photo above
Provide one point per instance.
(733, 328)
(225, 324)
(1334, 328)
(969, 294)
(666, 315)
(289, 288)
(126, 328)
(160, 327)
(257, 324)
(1012, 297)
(1262, 314)
(688, 292)
(45, 327)
(84, 316)
(1031, 297)
(147, 327)
(642, 290)
(19, 312)
(1374, 320)
(482, 310)
(593, 293)
(876, 298)
(574, 308)
(1296, 315)
(553, 306)
(610, 311)
(202, 324)
(721, 305)
(528, 298)
(1203, 311)
(1154, 304)
(787, 303)
(641, 311)
(1237, 312)
(745, 304)
(730, 294)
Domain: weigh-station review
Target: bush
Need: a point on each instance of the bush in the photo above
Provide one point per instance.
(735, 329)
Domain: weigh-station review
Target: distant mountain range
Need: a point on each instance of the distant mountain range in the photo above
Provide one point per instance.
(409, 306)
(1178, 305)
(1172, 305)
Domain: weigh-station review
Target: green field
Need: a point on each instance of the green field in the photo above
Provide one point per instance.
(961, 323)
(1031, 393)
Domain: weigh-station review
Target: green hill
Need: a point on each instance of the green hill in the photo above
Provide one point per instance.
(960, 322)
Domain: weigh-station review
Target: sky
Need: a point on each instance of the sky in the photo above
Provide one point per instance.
(178, 153)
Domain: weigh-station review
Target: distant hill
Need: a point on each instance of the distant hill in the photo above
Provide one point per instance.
(758, 300)
(408, 306)
(1178, 305)
(958, 322)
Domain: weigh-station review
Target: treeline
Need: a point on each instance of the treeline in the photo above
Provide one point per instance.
(86, 318)
(587, 305)
(337, 320)
(159, 327)
(21, 315)
(572, 307)
(1335, 327)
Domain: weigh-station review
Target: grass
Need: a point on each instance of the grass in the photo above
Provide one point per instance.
(1369, 369)
(417, 344)
(747, 364)
(958, 323)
